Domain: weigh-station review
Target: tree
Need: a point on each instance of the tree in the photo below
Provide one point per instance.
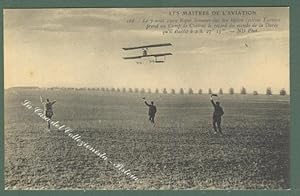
(269, 91)
(255, 93)
(156, 91)
(149, 90)
(210, 91)
(243, 91)
(181, 91)
(221, 91)
(130, 90)
(282, 92)
(231, 91)
(173, 91)
(113, 89)
(191, 91)
(124, 90)
(118, 90)
(136, 90)
(165, 91)
(200, 91)
(142, 90)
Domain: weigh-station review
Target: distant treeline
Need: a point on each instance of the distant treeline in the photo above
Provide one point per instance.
(181, 91)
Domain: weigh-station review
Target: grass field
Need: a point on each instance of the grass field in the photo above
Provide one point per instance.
(179, 153)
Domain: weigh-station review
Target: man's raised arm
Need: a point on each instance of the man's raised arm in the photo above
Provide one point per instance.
(212, 101)
(147, 103)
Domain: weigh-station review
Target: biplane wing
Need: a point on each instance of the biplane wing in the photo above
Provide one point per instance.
(133, 57)
(148, 46)
(161, 54)
(149, 55)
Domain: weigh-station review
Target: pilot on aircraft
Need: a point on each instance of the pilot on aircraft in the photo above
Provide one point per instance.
(144, 52)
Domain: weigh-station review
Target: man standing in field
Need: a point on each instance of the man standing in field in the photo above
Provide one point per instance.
(152, 110)
(217, 115)
(48, 109)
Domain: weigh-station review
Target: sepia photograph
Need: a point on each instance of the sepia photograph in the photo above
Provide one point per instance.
(176, 98)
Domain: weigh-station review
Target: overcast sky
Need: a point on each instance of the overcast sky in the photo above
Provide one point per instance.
(83, 48)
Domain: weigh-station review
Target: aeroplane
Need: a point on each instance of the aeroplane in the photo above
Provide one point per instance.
(146, 54)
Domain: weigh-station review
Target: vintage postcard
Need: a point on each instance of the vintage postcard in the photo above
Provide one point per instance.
(189, 98)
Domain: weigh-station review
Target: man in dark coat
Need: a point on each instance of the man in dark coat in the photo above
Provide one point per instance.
(152, 110)
(217, 115)
(48, 109)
